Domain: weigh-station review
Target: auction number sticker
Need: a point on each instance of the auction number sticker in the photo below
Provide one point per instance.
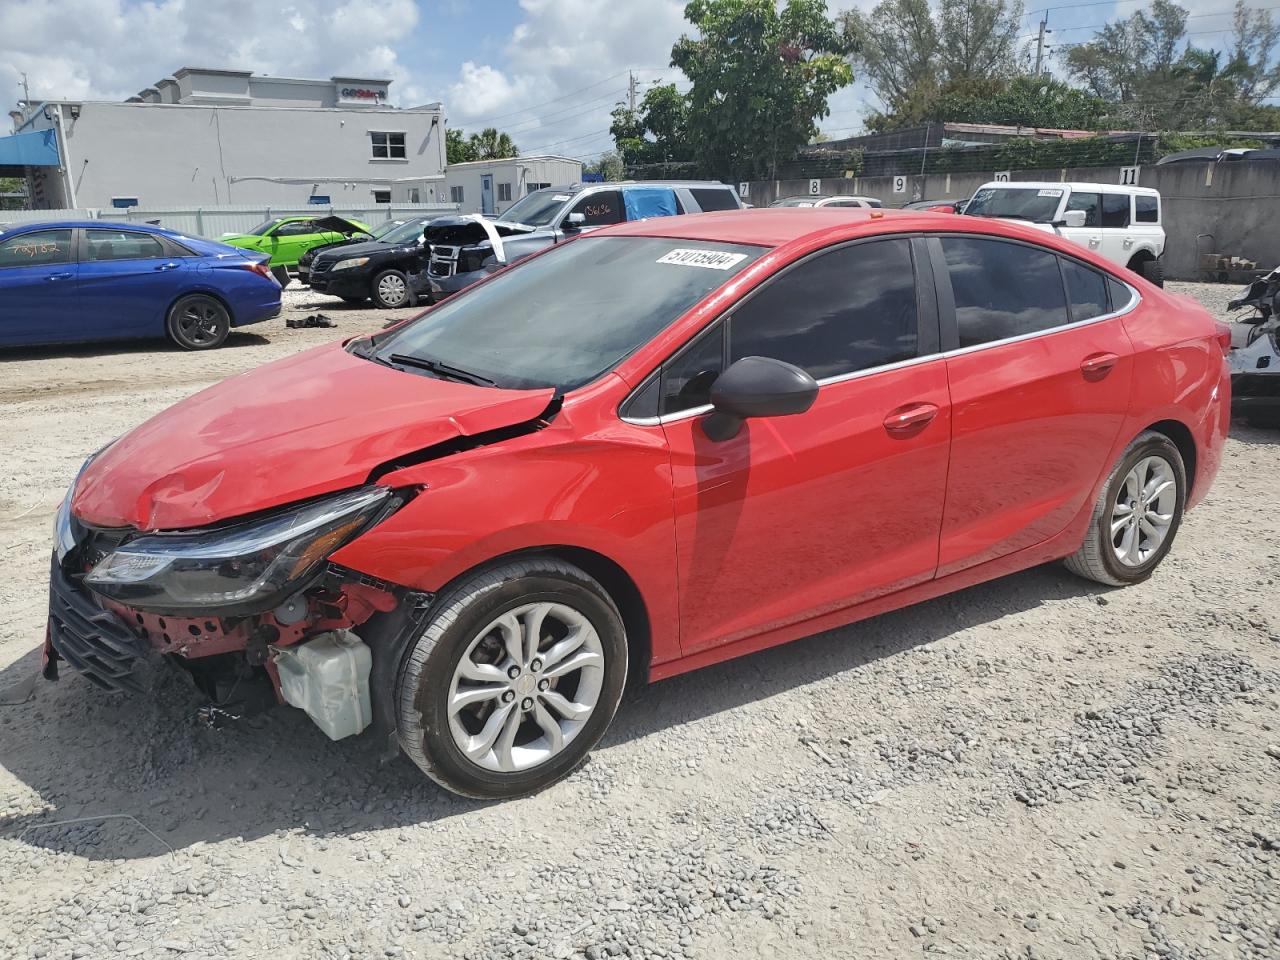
(1049, 193)
(711, 259)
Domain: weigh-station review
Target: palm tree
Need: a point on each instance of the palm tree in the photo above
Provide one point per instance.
(489, 144)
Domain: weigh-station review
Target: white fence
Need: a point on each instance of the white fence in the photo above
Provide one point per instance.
(212, 222)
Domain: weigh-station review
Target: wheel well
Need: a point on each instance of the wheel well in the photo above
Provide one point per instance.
(620, 587)
(1139, 258)
(1186, 444)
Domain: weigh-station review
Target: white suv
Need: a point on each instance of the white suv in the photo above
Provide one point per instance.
(1121, 223)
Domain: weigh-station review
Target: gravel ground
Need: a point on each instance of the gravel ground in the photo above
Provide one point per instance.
(1035, 768)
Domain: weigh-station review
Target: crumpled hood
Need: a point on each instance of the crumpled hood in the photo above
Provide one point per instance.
(310, 424)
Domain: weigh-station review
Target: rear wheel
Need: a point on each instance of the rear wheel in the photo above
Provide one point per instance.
(1152, 270)
(514, 680)
(390, 289)
(198, 322)
(1136, 516)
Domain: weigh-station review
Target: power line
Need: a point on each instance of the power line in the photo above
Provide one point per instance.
(537, 106)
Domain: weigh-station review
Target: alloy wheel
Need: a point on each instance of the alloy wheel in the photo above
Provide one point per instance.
(525, 687)
(1143, 511)
(200, 322)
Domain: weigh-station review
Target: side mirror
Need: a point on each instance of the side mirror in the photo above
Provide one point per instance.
(1073, 218)
(757, 387)
(575, 221)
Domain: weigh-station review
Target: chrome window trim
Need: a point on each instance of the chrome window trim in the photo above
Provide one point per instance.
(1134, 299)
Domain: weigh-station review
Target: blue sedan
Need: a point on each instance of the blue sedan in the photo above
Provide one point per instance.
(67, 282)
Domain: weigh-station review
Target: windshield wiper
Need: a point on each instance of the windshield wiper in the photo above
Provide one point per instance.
(442, 370)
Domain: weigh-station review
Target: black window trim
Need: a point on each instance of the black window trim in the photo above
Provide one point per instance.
(946, 297)
(928, 327)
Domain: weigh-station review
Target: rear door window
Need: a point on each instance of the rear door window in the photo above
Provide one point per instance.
(1086, 291)
(121, 245)
(1003, 289)
(600, 209)
(709, 198)
(1115, 209)
(39, 248)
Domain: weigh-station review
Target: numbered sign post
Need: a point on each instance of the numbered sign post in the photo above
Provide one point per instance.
(1002, 176)
(815, 187)
(899, 184)
(743, 189)
(1129, 176)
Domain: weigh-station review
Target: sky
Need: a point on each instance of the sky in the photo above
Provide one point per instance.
(546, 71)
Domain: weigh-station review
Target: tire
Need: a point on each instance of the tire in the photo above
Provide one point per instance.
(463, 623)
(390, 289)
(282, 276)
(1153, 271)
(353, 299)
(1099, 556)
(198, 322)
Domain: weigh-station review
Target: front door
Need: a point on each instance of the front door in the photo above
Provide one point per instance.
(128, 281)
(37, 288)
(1039, 385)
(798, 516)
(486, 194)
(289, 241)
(1090, 235)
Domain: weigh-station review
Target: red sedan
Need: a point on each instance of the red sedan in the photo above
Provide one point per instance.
(654, 447)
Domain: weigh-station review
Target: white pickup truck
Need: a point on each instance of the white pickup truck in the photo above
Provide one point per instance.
(1121, 223)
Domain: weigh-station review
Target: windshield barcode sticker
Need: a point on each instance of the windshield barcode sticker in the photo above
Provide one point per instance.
(711, 259)
(1049, 193)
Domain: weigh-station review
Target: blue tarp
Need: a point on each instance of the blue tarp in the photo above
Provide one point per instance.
(36, 149)
(643, 202)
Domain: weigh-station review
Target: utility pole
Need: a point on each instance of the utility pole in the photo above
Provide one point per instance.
(1044, 24)
(631, 91)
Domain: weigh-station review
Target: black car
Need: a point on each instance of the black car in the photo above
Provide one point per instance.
(377, 233)
(462, 248)
(377, 269)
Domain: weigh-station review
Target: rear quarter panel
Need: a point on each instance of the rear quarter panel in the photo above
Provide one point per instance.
(1180, 374)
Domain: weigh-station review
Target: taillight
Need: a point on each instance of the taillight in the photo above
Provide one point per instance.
(1224, 337)
(261, 269)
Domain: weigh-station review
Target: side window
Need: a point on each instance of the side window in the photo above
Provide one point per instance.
(601, 208)
(1086, 291)
(687, 377)
(122, 245)
(845, 203)
(849, 309)
(36, 249)
(1090, 203)
(1120, 295)
(295, 228)
(1115, 209)
(1146, 209)
(710, 199)
(1002, 289)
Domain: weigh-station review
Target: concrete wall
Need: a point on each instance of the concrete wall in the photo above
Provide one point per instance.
(168, 154)
(518, 172)
(1230, 208)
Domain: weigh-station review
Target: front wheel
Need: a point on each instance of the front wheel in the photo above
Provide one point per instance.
(515, 678)
(198, 322)
(1136, 516)
(390, 289)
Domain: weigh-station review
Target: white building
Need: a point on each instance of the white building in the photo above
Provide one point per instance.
(491, 186)
(227, 137)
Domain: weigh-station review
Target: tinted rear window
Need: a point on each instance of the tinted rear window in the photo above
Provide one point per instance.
(710, 199)
(1146, 209)
(1086, 290)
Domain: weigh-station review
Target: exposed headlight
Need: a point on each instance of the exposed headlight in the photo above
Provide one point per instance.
(348, 264)
(241, 568)
(63, 537)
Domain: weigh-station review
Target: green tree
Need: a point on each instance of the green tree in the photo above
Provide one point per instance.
(761, 74)
(489, 144)
(608, 165)
(456, 147)
(911, 54)
(657, 131)
(1025, 101)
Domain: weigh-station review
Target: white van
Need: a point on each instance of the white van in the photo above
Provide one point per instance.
(1124, 224)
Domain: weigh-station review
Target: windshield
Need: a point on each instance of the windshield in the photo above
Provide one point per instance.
(263, 227)
(793, 202)
(562, 319)
(1027, 203)
(382, 229)
(539, 208)
(404, 233)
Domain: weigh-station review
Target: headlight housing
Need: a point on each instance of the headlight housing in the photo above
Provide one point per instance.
(348, 264)
(241, 568)
(64, 538)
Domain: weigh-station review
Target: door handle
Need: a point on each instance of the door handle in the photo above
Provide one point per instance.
(910, 417)
(167, 266)
(58, 276)
(1093, 242)
(1098, 365)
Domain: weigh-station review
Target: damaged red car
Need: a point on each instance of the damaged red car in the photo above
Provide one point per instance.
(648, 449)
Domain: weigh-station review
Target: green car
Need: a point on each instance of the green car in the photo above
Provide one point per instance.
(288, 238)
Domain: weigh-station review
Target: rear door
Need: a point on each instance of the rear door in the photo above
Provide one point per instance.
(803, 515)
(1117, 241)
(128, 281)
(1040, 376)
(37, 287)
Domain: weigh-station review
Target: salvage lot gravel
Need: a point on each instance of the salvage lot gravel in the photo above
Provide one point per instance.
(1035, 767)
